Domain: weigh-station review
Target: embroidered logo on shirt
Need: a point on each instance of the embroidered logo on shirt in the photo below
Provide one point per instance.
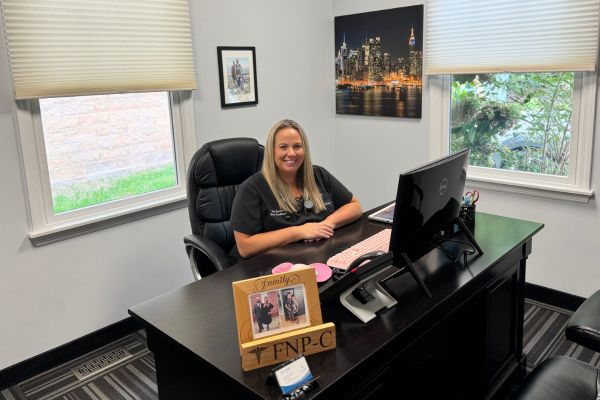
(278, 213)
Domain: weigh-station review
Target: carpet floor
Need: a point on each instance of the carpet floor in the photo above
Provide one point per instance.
(132, 379)
(544, 337)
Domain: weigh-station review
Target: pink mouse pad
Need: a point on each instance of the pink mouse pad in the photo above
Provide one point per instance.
(283, 267)
(323, 271)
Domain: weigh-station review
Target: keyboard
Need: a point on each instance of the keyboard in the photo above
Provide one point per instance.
(377, 242)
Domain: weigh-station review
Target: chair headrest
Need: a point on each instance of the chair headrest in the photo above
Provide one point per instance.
(231, 161)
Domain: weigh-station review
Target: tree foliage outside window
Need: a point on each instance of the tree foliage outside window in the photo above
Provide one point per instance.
(514, 121)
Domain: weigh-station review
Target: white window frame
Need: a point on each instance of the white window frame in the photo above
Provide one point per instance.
(575, 187)
(45, 227)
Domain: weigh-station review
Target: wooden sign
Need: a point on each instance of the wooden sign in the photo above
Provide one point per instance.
(278, 317)
(279, 348)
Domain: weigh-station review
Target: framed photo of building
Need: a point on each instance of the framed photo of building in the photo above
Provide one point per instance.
(278, 303)
(379, 63)
(237, 76)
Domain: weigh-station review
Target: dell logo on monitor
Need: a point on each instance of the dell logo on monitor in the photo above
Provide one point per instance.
(443, 186)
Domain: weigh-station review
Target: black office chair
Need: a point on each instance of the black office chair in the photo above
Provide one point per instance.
(564, 378)
(215, 172)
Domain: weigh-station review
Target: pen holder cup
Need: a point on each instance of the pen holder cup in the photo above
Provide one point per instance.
(467, 214)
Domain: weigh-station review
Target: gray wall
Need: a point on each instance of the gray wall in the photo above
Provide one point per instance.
(293, 61)
(57, 293)
(60, 292)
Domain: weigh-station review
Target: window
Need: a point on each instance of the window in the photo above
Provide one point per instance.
(104, 108)
(107, 147)
(528, 132)
(519, 122)
(526, 108)
(94, 161)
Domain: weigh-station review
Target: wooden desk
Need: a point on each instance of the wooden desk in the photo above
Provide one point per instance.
(465, 342)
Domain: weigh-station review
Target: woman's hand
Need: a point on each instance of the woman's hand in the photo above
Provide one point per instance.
(250, 245)
(315, 231)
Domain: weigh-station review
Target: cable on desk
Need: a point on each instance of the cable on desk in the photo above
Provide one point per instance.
(465, 253)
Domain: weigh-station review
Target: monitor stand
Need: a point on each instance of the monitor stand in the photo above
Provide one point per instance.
(409, 267)
(365, 298)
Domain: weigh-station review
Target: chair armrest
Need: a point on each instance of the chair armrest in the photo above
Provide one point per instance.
(584, 326)
(204, 249)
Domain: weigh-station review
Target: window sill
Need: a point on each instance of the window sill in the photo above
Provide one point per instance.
(550, 191)
(63, 231)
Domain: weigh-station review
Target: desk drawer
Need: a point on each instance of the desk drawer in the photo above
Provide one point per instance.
(375, 386)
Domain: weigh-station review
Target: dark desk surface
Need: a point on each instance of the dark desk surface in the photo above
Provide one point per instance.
(200, 316)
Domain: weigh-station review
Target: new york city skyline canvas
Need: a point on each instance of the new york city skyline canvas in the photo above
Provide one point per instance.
(379, 62)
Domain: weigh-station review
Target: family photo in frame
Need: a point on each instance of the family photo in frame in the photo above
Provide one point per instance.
(278, 311)
(275, 304)
(237, 76)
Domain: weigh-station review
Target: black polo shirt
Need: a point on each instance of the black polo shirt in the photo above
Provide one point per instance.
(255, 209)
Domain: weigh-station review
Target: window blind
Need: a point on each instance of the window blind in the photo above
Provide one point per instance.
(475, 36)
(82, 47)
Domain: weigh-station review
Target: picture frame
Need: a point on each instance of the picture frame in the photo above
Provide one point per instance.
(237, 76)
(378, 61)
(274, 292)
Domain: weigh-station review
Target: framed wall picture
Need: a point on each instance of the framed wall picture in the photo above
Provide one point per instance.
(237, 76)
(378, 63)
(278, 303)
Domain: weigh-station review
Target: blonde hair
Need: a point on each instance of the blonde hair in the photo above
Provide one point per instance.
(305, 177)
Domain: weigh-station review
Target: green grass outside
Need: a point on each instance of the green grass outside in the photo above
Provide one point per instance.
(98, 192)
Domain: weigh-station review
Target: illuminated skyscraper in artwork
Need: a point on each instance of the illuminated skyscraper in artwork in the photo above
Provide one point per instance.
(387, 63)
(375, 60)
(341, 61)
(353, 66)
(412, 41)
(415, 57)
(365, 59)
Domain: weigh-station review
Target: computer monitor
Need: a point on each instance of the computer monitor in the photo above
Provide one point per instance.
(428, 200)
(427, 208)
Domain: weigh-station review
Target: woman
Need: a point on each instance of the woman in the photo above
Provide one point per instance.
(257, 310)
(294, 308)
(290, 199)
(289, 315)
(266, 309)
